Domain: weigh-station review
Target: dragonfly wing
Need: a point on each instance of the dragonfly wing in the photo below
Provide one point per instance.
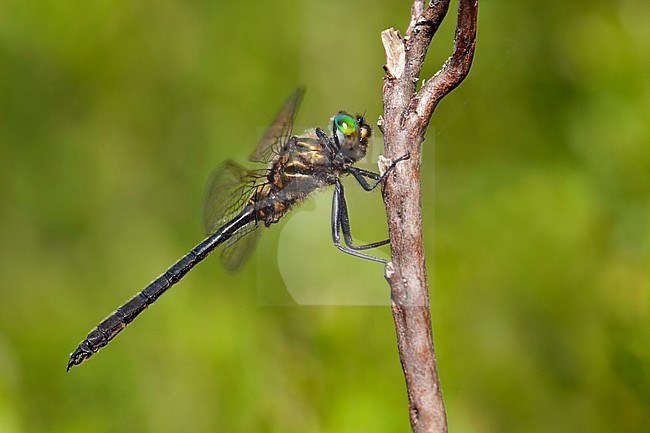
(239, 247)
(279, 131)
(228, 190)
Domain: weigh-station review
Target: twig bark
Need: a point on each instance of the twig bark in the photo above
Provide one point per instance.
(407, 112)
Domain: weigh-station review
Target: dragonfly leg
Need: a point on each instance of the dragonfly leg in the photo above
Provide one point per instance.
(345, 227)
(341, 223)
(327, 141)
(360, 174)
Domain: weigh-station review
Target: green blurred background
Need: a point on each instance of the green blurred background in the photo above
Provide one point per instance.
(536, 186)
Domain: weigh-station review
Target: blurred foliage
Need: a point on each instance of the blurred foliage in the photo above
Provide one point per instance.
(536, 191)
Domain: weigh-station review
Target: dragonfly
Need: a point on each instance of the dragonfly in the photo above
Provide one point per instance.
(238, 201)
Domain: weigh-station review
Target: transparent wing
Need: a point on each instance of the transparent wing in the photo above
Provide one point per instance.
(279, 130)
(239, 247)
(228, 190)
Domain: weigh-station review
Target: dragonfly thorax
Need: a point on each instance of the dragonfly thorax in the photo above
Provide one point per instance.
(302, 166)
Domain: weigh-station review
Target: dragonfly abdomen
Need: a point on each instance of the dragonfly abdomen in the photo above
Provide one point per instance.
(116, 322)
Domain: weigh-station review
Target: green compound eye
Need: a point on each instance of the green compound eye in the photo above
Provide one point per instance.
(346, 124)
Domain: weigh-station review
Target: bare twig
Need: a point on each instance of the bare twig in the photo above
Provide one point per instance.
(407, 112)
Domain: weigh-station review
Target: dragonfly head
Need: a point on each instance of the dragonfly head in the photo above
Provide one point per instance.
(352, 135)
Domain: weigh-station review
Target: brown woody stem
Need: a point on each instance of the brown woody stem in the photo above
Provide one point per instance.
(407, 112)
